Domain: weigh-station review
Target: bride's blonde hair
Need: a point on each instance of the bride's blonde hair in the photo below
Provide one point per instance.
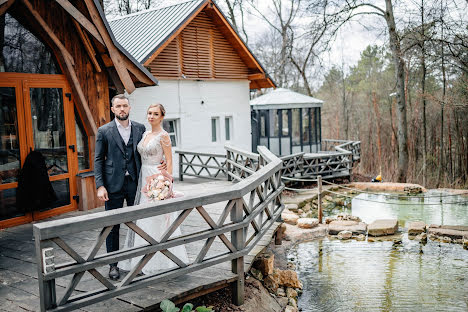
(161, 108)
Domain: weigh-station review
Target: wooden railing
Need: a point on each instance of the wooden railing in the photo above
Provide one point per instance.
(342, 146)
(293, 164)
(202, 165)
(253, 204)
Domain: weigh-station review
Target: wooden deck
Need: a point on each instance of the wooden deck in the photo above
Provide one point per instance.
(19, 289)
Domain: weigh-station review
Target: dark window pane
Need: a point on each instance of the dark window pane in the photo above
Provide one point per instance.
(262, 126)
(49, 128)
(213, 129)
(296, 127)
(168, 125)
(8, 208)
(275, 123)
(227, 123)
(305, 125)
(23, 52)
(9, 139)
(62, 190)
(81, 144)
(285, 123)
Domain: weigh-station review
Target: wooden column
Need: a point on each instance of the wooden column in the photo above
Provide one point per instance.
(181, 167)
(319, 198)
(237, 239)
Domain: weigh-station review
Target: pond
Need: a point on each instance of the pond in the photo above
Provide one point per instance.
(432, 207)
(382, 276)
(385, 275)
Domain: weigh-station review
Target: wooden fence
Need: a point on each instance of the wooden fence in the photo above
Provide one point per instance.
(253, 204)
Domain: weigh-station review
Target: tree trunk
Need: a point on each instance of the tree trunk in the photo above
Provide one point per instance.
(423, 93)
(401, 101)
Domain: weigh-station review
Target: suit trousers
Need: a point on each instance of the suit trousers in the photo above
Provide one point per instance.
(116, 201)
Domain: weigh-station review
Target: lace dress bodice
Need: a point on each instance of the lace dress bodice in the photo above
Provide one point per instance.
(151, 153)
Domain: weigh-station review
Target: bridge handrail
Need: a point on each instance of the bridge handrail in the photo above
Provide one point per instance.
(263, 187)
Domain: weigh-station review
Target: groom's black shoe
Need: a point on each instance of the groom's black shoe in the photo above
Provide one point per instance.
(114, 273)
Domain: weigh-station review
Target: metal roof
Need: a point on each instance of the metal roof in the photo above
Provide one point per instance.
(119, 46)
(143, 32)
(284, 98)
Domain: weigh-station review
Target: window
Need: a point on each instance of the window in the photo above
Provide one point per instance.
(228, 126)
(275, 123)
(296, 126)
(214, 129)
(170, 126)
(285, 129)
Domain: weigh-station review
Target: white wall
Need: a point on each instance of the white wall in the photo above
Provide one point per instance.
(182, 100)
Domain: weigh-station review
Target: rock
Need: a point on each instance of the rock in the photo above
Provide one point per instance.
(271, 283)
(416, 227)
(383, 227)
(328, 220)
(306, 207)
(421, 237)
(465, 241)
(300, 211)
(413, 189)
(292, 302)
(355, 227)
(345, 235)
(453, 232)
(291, 207)
(256, 274)
(280, 292)
(287, 278)
(290, 218)
(265, 264)
(361, 237)
(291, 293)
(307, 223)
(339, 202)
(282, 301)
(446, 239)
(397, 240)
(290, 309)
(370, 239)
(328, 198)
(432, 237)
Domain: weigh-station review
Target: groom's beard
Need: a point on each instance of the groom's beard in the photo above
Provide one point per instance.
(122, 117)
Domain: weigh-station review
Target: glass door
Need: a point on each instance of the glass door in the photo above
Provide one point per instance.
(13, 150)
(50, 128)
(36, 113)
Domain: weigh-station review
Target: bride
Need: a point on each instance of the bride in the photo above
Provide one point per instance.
(154, 145)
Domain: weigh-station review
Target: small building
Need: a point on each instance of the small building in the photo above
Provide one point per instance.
(59, 66)
(286, 122)
(205, 73)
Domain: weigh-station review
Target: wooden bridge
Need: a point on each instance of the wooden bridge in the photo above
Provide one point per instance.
(224, 225)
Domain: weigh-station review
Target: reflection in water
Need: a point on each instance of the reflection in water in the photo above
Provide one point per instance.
(443, 209)
(382, 276)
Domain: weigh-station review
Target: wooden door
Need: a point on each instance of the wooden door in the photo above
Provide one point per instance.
(46, 123)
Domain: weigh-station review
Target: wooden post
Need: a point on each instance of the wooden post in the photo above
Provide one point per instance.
(181, 167)
(319, 198)
(237, 239)
(228, 165)
(45, 262)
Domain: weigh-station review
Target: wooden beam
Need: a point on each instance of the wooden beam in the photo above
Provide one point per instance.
(174, 35)
(88, 46)
(114, 53)
(107, 60)
(69, 63)
(137, 72)
(80, 18)
(256, 76)
(5, 5)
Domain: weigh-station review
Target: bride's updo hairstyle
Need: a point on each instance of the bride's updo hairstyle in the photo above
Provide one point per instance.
(161, 108)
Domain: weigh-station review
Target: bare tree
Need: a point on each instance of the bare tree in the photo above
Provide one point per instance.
(236, 15)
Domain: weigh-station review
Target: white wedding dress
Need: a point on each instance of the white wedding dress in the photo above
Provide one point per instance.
(151, 156)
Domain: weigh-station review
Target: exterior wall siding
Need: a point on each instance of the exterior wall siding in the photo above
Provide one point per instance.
(183, 101)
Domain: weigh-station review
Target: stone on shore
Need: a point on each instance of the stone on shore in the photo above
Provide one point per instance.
(291, 293)
(454, 232)
(287, 278)
(290, 309)
(383, 227)
(290, 218)
(265, 264)
(292, 207)
(355, 227)
(416, 227)
(345, 235)
(307, 223)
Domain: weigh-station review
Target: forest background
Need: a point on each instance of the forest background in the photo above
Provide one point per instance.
(405, 96)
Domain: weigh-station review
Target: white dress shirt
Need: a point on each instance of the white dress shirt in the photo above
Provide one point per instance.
(124, 132)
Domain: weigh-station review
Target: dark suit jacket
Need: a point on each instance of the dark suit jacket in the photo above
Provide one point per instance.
(109, 159)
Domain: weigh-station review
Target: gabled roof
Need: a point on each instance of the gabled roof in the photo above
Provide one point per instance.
(284, 98)
(145, 34)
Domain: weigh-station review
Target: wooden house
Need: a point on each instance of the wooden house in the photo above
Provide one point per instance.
(205, 73)
(59, 65)
(286, 122)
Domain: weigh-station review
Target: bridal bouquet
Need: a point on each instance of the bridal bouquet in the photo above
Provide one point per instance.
(158, 186)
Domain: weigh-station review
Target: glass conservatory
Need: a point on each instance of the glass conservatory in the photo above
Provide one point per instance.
(286, 122)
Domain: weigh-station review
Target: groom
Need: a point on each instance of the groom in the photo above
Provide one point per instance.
(117, 166)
